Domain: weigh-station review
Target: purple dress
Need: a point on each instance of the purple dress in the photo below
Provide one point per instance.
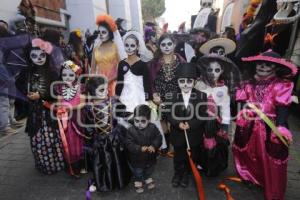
(259, 156)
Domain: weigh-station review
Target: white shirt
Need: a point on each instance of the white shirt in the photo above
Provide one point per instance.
(186, 98)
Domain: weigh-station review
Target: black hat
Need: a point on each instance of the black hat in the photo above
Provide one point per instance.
(186, 70)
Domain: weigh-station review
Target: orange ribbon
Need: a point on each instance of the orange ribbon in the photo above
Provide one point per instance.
(223, 186)
(198, 179)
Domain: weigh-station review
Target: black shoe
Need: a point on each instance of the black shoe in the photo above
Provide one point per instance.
(184, 181)
(176, 180)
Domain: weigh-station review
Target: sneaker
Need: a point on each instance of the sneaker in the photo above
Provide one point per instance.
(150, 183)
(9, 131)
(17, 124)
(83, 171)
(138, 187)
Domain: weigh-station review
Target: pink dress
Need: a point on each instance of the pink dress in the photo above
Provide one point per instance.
(73, 132)
(259, 156)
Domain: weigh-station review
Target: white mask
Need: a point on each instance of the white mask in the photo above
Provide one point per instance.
(101, 91)
(38, 56)
(265, 69)
(141, 122)
(186, 84)
(68, 76)
(104, 33)
(131, 46)
(214, 71)
(167, 46)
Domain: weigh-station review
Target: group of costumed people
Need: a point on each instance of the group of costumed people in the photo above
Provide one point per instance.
(113, 111)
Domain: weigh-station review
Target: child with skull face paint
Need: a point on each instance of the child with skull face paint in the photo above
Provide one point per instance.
(43, 130)
(187, 112)
(110, 166)
(260, 156)
(70, 101)
(142, 141)
(108, 51)
(217, 83)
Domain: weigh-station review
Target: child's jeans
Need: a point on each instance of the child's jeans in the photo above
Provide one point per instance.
(141, 174)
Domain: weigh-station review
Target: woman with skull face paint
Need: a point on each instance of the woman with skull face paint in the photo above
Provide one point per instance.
(217, 82)
(260, 156)
(108, 51)
(133, 86)
(162, 74)
(70, 101)
(43, 130)
(110, 166)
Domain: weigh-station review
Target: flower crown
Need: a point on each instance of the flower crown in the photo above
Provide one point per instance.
(107, 19)
(75, 68)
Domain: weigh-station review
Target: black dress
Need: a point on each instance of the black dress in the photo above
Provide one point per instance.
(110, 166)
(43, 130)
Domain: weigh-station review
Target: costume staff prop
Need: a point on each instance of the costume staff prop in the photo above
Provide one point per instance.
(195, 171)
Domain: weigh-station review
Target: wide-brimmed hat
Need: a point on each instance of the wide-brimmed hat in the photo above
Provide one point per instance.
(272, 57)
(186, 70)
(213, 57)
(284, 12)
(228, 45)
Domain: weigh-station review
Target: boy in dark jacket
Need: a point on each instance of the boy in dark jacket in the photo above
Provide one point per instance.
(143, 141)
(187, 113)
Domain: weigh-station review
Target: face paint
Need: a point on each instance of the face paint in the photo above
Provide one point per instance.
(220, 51)
(38, 57)
(130, 46)
(141, 122)
(186, 84)
(214, 71)
(153, 39)
(167, 46)
(101, 91)
(104, 33)
(68, 76)
(265, 69)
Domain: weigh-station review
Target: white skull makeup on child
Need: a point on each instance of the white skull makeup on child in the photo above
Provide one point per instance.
(38, 56)
(264, 69)
(104, 33)
(214, 71)
(218, 50)
(131, 45)
(68, 75)
(101, 91)
(141, 122)
(186, 84)
(167, 46)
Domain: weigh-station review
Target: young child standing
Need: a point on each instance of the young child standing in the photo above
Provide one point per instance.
(143, 141)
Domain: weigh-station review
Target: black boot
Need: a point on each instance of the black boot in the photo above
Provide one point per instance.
(185, 177)
(176, 180)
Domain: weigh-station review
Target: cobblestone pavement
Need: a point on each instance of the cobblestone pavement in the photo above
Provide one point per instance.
(20, 181)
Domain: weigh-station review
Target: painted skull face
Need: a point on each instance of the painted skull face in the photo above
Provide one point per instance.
(141, 122)
(186, 84)
(265, 69)
(38, 56)
(167, 46)
(220, 51)
(104, 33)
(68, 76)
(214, 71)
(153, 38)
(131, 46)
(101, 91)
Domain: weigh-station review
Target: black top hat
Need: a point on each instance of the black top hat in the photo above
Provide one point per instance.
(186, 70)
